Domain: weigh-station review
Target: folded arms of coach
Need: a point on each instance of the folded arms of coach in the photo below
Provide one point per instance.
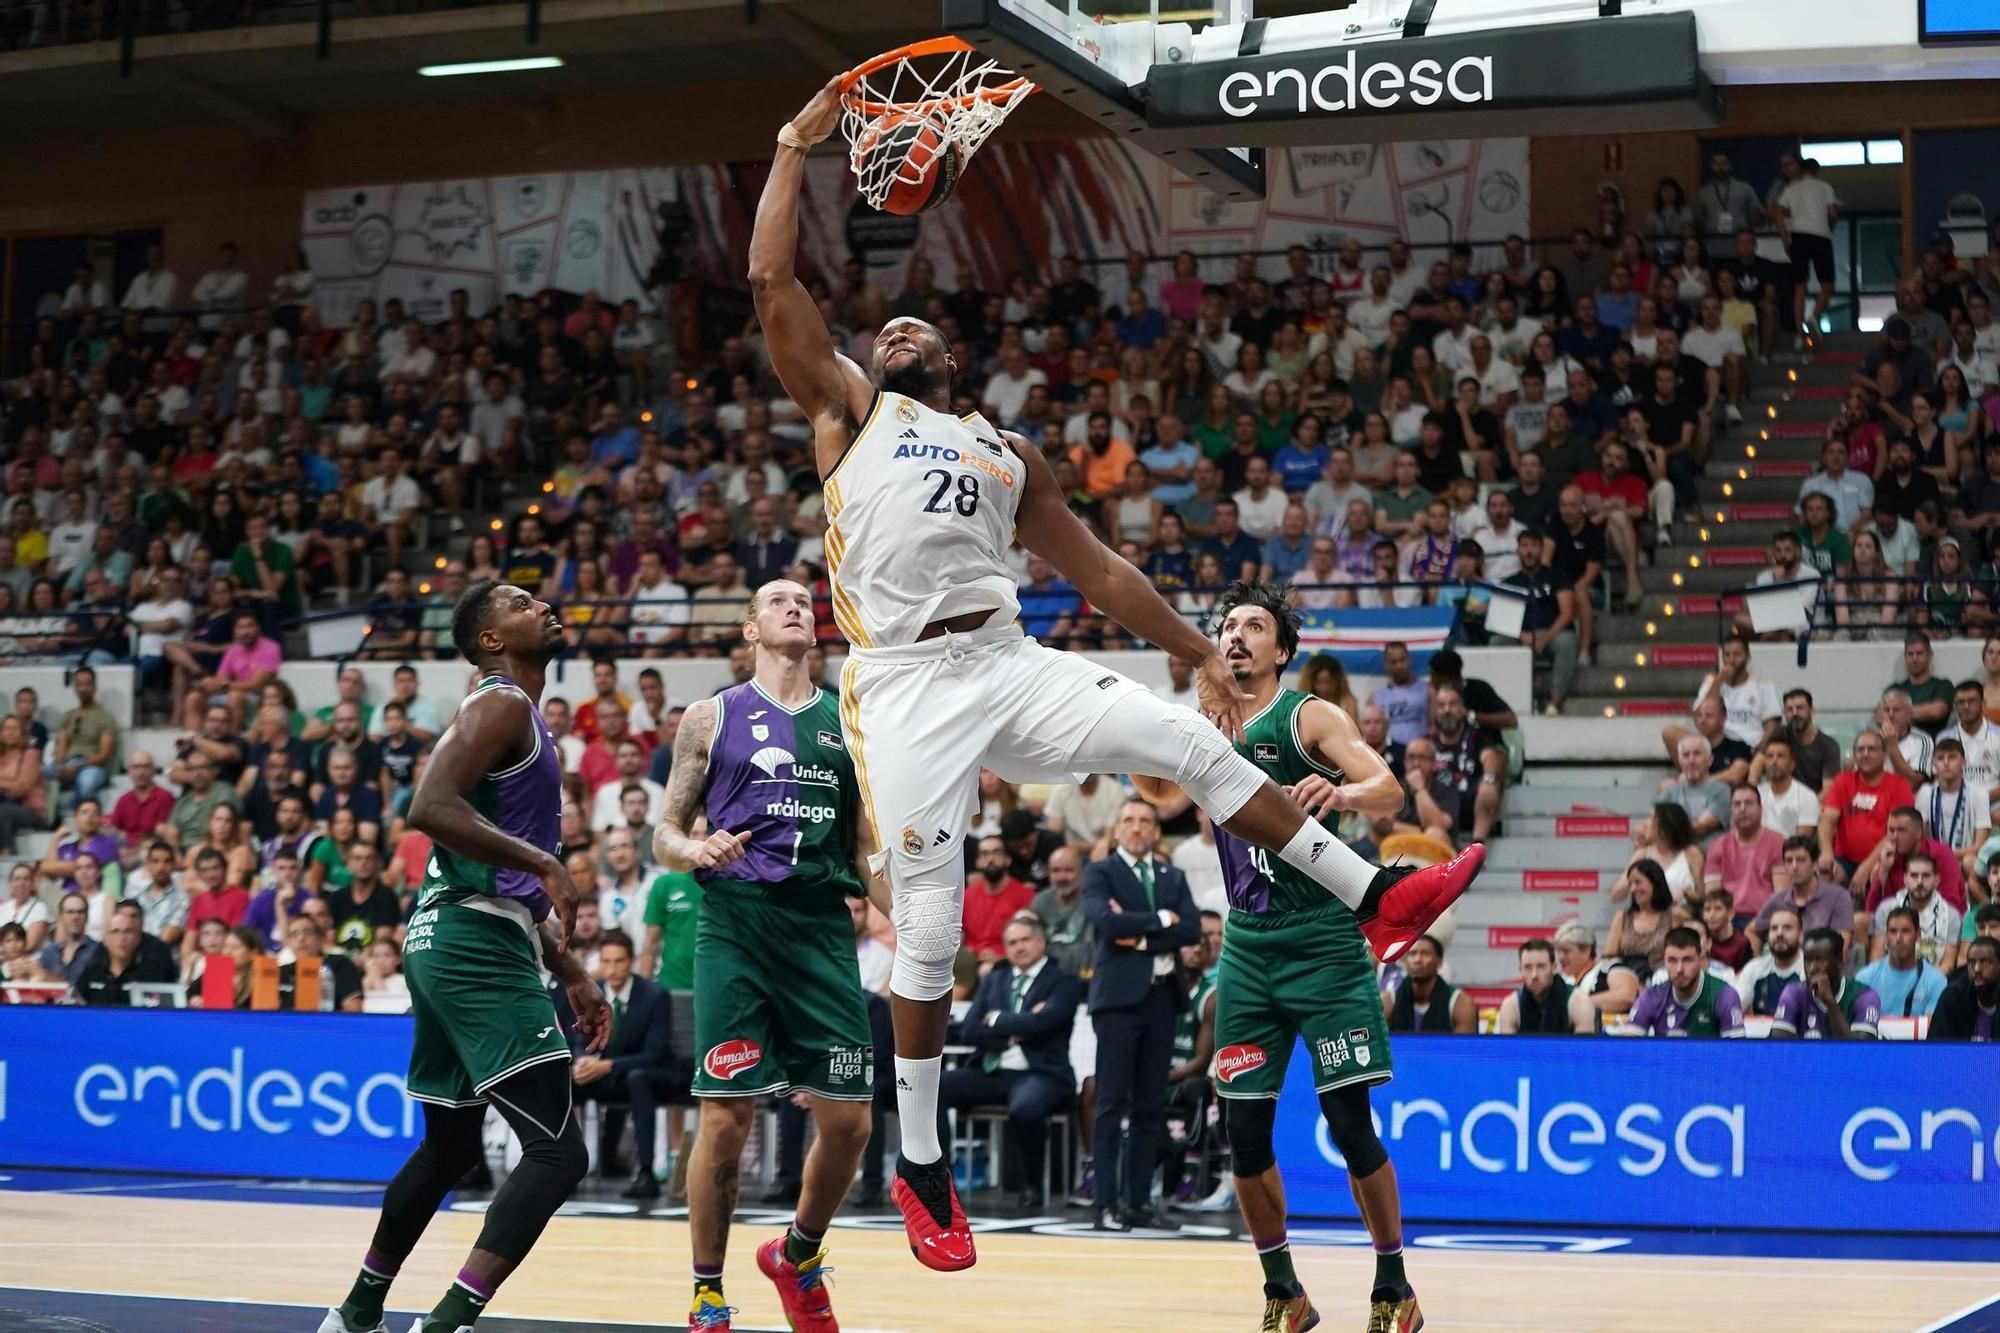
(1048, 1008)
(1115, 903)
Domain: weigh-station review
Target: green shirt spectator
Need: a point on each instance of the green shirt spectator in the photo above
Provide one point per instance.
(264, 568)
(673, 909)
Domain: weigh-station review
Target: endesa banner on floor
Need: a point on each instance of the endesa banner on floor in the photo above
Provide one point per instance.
(1637, 1131)
(295, 1096)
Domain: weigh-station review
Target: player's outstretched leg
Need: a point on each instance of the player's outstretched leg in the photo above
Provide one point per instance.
(451, 1147)
(536, 1104)
(796, 1262)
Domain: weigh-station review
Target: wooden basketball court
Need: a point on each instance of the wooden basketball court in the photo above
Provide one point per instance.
(617, 1271)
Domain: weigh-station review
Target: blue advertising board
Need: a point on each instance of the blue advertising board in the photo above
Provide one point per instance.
(1892, 1136)
(247, 1094)
(1958, 21)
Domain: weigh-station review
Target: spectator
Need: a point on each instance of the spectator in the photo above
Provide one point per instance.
(1815, 901)
(1430, 802)
(70, 949)
(1548, 624)
(1598, 986)
(1086, 813)
(22, 908)
(1142, 913)
(1966, 1009)
(1815, 755)
(1724, 206)
(1423, 1001)
(86, 740)
(365, 907)
(1749, 702)
(1019, 1023)
(1061, 911)
(1910, 748)
(1692, 1001)
(1979, 738)
(389, 501)
(1030, 848)
(1931, 697)
(339, 978)
(120, 964)
(1855, 809)
(1638, 932)
(1825, 1003)
(1696, 791)
(1540, 1005)
(1404, 699)
(1790, 806)
(1761, 982)
(1471, 758)
(1956, 813)
(1938, 921)
(87, 835)
(249, 663)
(1727, 945)
(1907, 984)
(638, 1067)
(992, 897)
(1747, 861)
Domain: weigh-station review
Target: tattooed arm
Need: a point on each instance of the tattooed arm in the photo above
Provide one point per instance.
(673, 846)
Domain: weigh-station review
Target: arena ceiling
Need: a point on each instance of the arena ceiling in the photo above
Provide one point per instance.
(267, 78)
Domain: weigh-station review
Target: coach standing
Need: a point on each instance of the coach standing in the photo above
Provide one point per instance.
(1142, 912)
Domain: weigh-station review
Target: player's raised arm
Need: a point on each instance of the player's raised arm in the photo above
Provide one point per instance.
(480, 741)
(673, 846)
(1330, 735)
(1114, 586)
(826, 385)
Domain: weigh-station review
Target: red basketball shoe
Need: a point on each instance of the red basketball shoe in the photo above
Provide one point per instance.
(936, 1226)
(801, 1288)
(1403, 901)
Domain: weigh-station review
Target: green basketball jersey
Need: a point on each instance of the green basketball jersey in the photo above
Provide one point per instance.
(1256, 880)
(524, 799)
(1188, 1025)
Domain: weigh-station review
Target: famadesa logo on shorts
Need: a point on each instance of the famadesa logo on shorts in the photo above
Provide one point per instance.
(1231, 1062)
(1346, 85)
(726, 1060)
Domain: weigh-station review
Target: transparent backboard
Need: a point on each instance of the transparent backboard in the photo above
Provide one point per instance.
(1122, 37)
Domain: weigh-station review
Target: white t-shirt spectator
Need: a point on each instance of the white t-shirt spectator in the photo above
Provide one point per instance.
(1902, 551)
(152, 643)
(657, 610)
(151, 291)
(1763, 965)
(1810, 201)
(1328, 503)
(1370, 318)
(1404, 285)
(416, 363)
(1343, 350)
(1454, 350)
(1746, 706)
(1500, 378)
(76, 300)
(1247, 388)
(1087, 816)
(1262, 517)
(1952, 817)
(1221, 351)
(1981, 369)
(220, 293)
(1005, 395)
(25, 915)
(876, 960)
(69, 543)
(604, 809)
(1797, 809)
(1712, 349)
(387, 503)
(1982, 752)
(1938, 923)
(1076, 430)
(1202, 865)
(1529, 422)
(1850, 492)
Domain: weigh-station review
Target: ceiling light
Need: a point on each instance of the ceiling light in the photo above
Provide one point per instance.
(490, 66)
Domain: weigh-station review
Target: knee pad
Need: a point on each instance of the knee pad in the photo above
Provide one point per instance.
(1207, 767)
(928, 912)
(566, 1156)
(1352, 1130)
(1249, 1121)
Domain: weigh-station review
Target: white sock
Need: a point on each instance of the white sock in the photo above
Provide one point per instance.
(1333, 865)
(916, 1107)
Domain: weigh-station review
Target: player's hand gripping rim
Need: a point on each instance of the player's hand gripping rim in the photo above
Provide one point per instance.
(1222, 701)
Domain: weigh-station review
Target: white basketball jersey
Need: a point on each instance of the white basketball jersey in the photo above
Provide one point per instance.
(920, 513)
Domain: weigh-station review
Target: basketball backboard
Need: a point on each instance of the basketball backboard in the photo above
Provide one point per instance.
(1208, 86)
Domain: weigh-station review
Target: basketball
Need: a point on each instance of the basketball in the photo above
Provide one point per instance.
(926, 163)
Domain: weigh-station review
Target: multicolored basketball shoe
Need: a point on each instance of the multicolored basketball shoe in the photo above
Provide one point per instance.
(801, 1288)
(1395, 1316)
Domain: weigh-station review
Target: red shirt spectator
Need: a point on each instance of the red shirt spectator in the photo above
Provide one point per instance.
(1861, 802)
(1627, 489)
(1906, 839)
(227, 904)
(142, 809)
(992, 897)
(1746, 869)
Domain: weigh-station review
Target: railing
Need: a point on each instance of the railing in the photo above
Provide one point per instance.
(1859, 608)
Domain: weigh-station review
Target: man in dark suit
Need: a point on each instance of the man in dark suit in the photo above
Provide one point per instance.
(637, 1068)
(1142, 912)
(1019, 1023)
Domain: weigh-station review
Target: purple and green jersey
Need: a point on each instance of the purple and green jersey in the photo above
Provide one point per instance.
(1257, 882)
(1715, 1011)
(784, 777)
(524, 800)
(1803, 1016)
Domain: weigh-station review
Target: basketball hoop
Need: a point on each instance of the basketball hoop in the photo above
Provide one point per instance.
(942, 85)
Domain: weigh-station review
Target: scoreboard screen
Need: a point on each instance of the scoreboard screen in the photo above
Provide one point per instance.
(1958, 21)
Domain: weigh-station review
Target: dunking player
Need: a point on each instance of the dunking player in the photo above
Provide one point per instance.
(486, 1030)
(778, 1005)
(1294, 964)
(922, 507)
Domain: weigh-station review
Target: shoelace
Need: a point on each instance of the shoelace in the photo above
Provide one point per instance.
(813, 1281)
(1381, 1317)
(710, 1316)
(1274, 1316)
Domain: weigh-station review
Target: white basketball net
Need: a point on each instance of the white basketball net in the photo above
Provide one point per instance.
(944, 84)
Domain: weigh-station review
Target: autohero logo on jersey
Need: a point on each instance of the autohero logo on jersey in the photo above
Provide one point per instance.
(725, 1060)
(1345, 84)
(944, 453)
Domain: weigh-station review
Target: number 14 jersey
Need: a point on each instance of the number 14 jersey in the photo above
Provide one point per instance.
(920, 513)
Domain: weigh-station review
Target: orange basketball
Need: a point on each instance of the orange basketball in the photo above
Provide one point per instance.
(926, 164)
